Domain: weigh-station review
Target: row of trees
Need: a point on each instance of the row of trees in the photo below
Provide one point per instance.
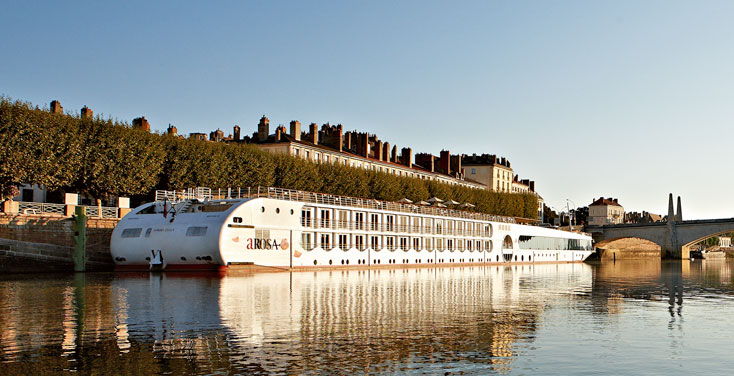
(101, 157)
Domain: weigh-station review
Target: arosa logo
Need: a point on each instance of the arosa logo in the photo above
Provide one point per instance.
(253, 243)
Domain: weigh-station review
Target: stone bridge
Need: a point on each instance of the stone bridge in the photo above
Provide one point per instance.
(675, 236)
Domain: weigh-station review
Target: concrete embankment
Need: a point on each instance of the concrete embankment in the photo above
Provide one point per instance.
(45, 243)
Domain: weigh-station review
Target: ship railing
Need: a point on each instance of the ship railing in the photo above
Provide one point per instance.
(199, 193)
(386, 227)
(324, 199)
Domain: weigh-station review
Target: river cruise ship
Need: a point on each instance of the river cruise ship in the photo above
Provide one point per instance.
(290, 229)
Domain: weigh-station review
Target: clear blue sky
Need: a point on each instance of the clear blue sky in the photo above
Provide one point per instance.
(624, 99)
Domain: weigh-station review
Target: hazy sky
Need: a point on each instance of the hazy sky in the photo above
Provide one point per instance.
(625, 99)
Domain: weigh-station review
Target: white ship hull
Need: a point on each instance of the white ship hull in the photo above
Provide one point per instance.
(290, 229)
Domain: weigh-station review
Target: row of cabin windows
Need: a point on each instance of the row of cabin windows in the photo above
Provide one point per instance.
(328, 241)
(135, 232)
(391, 222)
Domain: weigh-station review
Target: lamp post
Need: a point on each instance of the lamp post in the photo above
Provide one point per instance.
(572, 219)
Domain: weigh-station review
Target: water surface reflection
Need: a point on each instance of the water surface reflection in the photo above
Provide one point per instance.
(520, 319)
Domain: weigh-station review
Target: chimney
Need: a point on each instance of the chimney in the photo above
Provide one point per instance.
(394, 154)
(173, 131)
(56, 107)
(407, 157)
(296, 130)
(386, 152)
(277, 133)
(456, 164)
(615, 201)
(532, 186)
(378, 152)
(263, 129)
(340, 137)
(236, 132)
(87, 113)
(365, 142)
(314, 135)
(141, 123)
(444, 162)
(348, 141)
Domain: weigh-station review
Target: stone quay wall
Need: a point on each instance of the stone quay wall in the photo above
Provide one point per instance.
(32, 243)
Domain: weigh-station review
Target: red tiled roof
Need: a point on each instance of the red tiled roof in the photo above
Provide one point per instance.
(605, 202)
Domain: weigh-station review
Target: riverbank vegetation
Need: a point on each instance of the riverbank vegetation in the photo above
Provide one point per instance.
(101, 157)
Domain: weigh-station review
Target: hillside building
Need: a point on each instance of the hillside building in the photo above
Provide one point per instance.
(330, 144)
(605, 211)
(489, 170)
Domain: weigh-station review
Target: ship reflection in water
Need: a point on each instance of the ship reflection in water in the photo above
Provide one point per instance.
(545, 319)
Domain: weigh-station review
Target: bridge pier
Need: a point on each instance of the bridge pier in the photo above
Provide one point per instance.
(671, 249)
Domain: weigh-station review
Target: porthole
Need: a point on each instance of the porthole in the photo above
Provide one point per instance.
(183, 258)
(347, 262)
(292, 211)
(342, 262)
(522, 258)
(330, 262)
(314, 262)
(147, 258)
(277, 210)
(262, 209)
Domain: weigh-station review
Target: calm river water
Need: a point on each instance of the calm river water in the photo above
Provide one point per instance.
(624, 318)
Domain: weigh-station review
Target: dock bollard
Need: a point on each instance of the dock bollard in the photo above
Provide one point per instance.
(80, 239)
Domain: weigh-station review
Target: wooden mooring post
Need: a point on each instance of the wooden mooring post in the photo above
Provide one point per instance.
(80, 239)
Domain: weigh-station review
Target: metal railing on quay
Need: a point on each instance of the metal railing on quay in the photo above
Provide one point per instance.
(38, 208)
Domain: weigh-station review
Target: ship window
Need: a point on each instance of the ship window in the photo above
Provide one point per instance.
(343, 219)
(343, 242)
(390, 223)
(326, 218)
(292, 212)
(375, 243)
(326, 241)
(374, 221)
(262, 209)
(306, 217)
(262, 234)
(404, 243)
(359, 221)
(417, 243)
(306, 241)
(390, 243)
(237, 219)
(131, 232)
(147, 232)
(359, 242)
(196, 231)
(277, 210)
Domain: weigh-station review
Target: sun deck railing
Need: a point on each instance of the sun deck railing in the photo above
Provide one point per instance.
(324, 199)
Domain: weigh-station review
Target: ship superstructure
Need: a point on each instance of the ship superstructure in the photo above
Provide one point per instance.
(294, 229)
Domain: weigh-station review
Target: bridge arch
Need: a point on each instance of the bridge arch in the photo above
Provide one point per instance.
(704, 237)
(627, 247)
